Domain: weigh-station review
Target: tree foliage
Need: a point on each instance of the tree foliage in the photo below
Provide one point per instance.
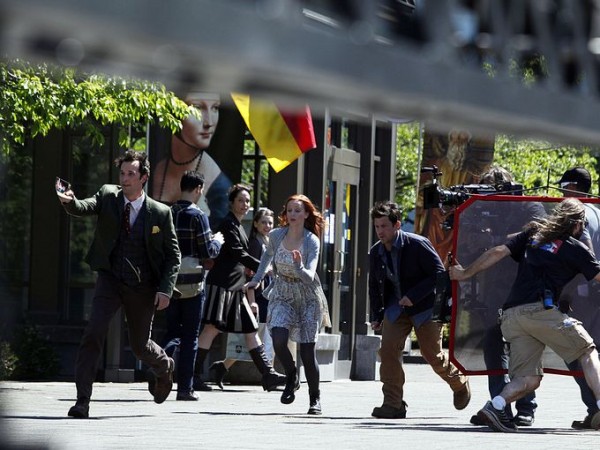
(535, 164)
(407, 163)
(540, 164)
(37, 98)
(36, 359)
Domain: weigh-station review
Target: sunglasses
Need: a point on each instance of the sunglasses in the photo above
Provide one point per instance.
(564, 184)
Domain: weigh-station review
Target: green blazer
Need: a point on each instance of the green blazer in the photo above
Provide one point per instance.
(159, 233)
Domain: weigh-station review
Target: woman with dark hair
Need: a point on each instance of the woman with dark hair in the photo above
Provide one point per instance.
(262, 224)
(227, 308)
(297, 305)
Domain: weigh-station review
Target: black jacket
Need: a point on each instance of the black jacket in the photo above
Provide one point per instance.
(228, 271)
(418, 264)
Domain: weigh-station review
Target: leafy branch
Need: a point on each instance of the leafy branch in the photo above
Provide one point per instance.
(35, 99)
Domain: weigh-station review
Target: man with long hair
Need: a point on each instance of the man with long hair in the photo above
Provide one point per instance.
(549, 255)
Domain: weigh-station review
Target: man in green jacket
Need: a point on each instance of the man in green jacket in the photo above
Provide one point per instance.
(136, 255)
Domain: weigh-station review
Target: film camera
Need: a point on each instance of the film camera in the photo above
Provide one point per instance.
(435, 196)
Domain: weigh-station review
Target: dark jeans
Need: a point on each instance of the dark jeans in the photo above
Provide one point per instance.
(184, 316)
(138, 304)
(587, 395)
(496, 357)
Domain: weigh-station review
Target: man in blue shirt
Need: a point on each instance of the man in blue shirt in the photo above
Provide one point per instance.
(402, 277)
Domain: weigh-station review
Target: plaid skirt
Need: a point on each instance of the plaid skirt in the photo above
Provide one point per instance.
(228, 311)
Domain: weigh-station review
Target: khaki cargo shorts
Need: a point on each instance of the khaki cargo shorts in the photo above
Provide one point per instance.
(530, 328)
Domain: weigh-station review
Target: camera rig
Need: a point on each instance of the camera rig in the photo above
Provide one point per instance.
(434, 196)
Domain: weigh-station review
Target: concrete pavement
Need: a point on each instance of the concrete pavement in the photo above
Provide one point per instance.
(123, 416)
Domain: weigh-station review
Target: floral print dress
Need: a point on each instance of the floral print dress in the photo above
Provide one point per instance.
(293, 304)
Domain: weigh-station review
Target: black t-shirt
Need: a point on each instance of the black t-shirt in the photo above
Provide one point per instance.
(550, 266)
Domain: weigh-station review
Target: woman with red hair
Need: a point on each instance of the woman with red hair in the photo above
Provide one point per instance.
(297, 305)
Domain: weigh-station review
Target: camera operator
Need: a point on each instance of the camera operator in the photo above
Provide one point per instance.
(549, 256)
(576, 182)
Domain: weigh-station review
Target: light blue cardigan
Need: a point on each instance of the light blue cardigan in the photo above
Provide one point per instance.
(306, 270)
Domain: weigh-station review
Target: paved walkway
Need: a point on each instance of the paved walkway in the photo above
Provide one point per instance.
(123, 416)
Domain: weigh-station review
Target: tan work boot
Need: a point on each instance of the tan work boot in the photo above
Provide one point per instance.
(462, 397)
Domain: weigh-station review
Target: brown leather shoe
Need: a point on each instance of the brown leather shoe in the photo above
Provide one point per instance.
(164, 384)
(462, 397)
(389, 412)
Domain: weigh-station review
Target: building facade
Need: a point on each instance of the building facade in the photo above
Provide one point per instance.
(44, 280)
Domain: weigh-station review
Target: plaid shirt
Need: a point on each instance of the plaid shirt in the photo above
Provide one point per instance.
(193, 232)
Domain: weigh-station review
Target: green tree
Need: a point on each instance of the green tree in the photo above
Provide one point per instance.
(36, 358)
(408, 144)
(539, 164)
(535, 164)
(35, 99)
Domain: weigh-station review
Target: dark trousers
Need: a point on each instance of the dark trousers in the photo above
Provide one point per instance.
(138, 304)
(184, 316)
(496, 357)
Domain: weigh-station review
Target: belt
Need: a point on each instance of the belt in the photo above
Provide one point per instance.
(288, 279)
(190, 278)
(524, 308)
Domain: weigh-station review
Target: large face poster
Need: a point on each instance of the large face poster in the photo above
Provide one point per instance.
(212, 146)
(462, 159)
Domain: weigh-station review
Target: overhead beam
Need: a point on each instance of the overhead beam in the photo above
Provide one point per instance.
(229, 45)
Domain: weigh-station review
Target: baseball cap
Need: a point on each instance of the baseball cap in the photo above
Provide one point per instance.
(577, 175)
